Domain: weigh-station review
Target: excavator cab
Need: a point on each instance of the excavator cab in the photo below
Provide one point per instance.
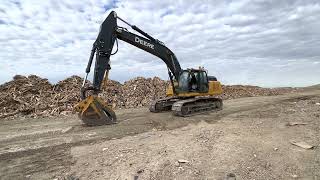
(193, 80)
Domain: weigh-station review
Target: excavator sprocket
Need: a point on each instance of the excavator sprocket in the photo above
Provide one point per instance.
(94, 112)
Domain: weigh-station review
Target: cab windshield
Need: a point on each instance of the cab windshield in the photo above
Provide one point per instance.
(183, 81)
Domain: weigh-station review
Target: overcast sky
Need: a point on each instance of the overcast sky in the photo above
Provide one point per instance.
(266, 43)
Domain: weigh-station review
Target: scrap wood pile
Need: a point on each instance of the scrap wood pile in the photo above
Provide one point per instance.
(33, 96)
(238, 91)
(136, 92)
(113, 94)
(140, 91)
(26, 95)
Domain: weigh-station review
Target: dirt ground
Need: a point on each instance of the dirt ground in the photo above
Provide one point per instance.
(250, 138)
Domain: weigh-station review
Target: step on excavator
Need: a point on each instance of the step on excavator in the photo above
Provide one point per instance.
(191, 91)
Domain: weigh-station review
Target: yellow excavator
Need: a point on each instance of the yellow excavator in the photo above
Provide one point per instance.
(190, 91)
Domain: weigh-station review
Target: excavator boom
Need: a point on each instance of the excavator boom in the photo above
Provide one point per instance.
(108, 35)
(91, 111)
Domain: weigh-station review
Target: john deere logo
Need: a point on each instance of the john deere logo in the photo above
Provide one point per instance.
(145, 43)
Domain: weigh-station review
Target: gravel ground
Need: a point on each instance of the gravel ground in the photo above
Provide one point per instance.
(250, 138)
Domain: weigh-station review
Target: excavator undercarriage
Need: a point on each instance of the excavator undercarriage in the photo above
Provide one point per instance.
(188, 106)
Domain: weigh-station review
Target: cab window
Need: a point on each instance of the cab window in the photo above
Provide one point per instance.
(203, 81)
(184, 81)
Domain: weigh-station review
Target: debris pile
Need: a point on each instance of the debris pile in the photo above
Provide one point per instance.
(238, 91)
(65, 94)
(25, 95)
(140, 91)
(33, 96)
(113, 94)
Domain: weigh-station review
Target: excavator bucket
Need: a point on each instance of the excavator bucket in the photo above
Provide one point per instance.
(94, 112)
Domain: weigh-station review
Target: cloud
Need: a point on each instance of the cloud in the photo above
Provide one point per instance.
(267, 43)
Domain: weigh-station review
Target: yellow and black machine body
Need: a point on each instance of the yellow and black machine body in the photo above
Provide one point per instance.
(195, 92)
(191, 90)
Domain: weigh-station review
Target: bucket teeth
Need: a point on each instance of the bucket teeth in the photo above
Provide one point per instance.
(94, 112)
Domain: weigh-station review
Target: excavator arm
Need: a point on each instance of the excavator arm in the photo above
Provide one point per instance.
(107, 37)
(153, 47)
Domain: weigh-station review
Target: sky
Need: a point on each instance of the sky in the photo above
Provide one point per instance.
(269, 43)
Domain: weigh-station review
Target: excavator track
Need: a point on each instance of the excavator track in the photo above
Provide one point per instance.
(164, 104)
(196, 105)
(186, 107)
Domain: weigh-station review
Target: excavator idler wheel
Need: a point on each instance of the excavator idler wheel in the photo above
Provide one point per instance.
(94, 112)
